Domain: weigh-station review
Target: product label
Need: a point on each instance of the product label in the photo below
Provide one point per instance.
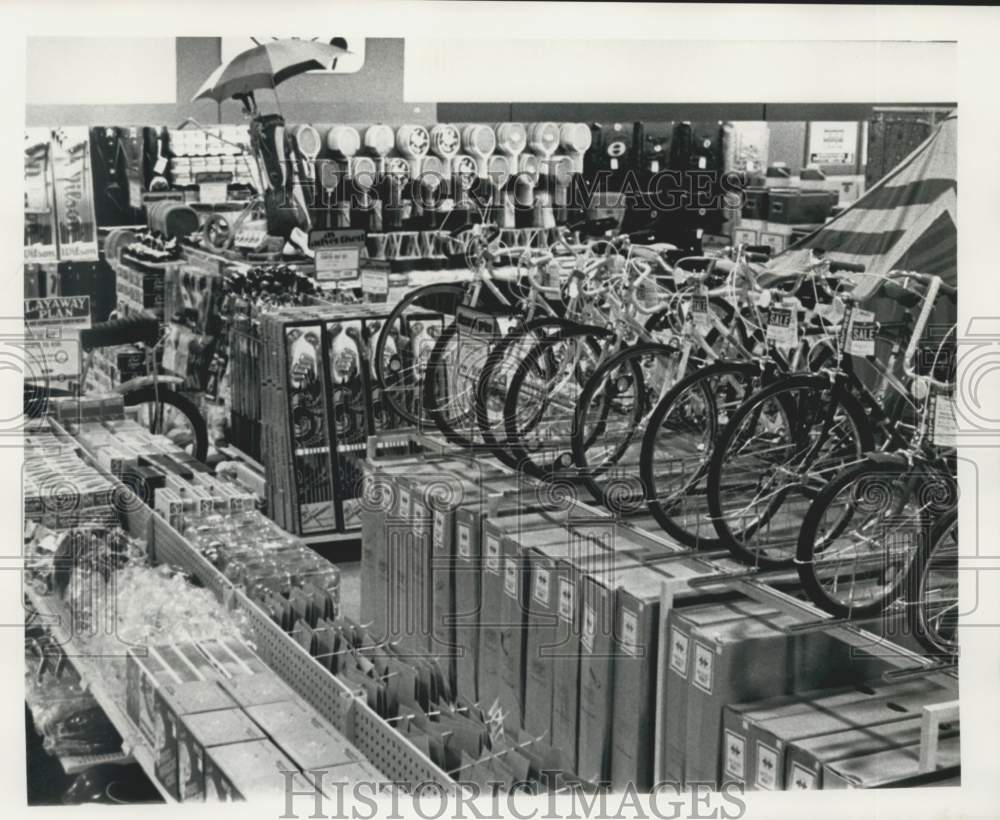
(510, 578)
(542, 586)
(566, 599)
(493, 554)
(437, 537)
(699, 312)
(802, 778)
(735, 754)
(589, 628)
(703, 665)
(463, 541)
(630, 632)
(679, 652)
(767, 767)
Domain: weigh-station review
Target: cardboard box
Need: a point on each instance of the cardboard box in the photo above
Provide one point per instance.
(679, 659)
(807, 757)
(757, 737)
(255, 690)
(308, 740)
(753, 659)
(232, 657)
(200, 732)
(893, 768)
(144, 672)
(175, 702)
(258, 769)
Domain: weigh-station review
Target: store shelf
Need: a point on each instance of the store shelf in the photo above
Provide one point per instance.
(134, 749)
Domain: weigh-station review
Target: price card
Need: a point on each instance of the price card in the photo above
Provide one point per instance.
(213, 187)
(375, 282)
(944, 422)
(699, 312)
(783, 326)
(336, 264)
(858, 334)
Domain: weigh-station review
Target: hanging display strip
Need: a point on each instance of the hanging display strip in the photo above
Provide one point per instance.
(74, 195)
(39, 197)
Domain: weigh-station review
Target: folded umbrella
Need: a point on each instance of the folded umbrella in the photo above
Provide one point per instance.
(265, 66)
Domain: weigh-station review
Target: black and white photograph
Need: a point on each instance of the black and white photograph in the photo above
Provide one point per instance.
(503, 409)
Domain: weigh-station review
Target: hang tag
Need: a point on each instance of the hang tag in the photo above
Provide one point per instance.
(944, 422)
(861, 333)
(783, 326)
(699, 312)
(160, 166)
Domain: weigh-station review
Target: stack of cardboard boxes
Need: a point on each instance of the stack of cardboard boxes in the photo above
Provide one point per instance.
(222, 726)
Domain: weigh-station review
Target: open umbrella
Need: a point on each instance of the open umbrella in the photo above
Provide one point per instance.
(265, 66)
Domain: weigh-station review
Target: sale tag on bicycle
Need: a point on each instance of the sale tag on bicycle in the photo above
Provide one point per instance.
(783, 326)
(699, 312)
(944, 422)
(861, 333)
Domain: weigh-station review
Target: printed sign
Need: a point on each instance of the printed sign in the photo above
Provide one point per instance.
(375, 282)
(510, 578)
(337, 254)
(74, 195)
(783, 326)
(833, 143)
(52, 327)
(566, 599)
(542, 586)
(39, 197)
(213, 186)
(861, 333)
(630, 632)
(802, 778)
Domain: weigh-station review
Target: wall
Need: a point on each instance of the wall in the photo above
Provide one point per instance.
(373, 94)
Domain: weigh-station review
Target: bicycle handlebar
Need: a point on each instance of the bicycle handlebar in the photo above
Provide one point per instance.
(121, 332)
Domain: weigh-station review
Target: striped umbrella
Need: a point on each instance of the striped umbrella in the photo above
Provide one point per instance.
(265, 66)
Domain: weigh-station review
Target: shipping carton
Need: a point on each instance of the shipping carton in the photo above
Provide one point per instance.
(255, 690)
(200, 732)
(757, 738)
(243, 771)
(894, 768)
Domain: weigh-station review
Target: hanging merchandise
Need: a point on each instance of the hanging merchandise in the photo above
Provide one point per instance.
(39, 197)
(74, 195)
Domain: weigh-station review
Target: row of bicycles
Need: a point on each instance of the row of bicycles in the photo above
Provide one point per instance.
(771, 417)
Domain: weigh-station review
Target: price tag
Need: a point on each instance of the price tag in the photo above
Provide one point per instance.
(861, 333)
(160, 166)
(375, 282)
(783, 326)
(699, 312)
(944, 422)
(213, 187)
(337, 264)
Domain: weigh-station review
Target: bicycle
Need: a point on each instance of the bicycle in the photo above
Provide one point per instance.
(793, 436)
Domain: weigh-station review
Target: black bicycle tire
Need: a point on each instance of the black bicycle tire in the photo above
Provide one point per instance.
(716, 466)
(805, 553)
(578, 446)
(151, 395)
(915, 585)
(408, 301)
(515, 444)
(494, 444)
(647, 457)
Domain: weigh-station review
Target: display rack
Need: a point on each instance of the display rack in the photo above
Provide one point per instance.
(390, 752)
(134, 748)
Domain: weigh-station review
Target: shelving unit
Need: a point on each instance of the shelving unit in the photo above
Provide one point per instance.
(134, 748)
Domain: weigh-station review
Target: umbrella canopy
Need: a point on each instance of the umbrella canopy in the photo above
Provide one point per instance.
(267, 65)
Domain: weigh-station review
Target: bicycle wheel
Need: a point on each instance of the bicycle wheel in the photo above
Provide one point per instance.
(610, 416)
(781, 447)
(404, 343)
(540, 407)
(678, 443)
(860, 538)
(934, 610)
(171, 414)
(495, 376)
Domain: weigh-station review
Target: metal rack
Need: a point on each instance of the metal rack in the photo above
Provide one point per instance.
(134, 748)
(391, 752)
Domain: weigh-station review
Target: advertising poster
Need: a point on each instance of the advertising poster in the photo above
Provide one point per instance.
(39, 197)
(52, 330)
(833, 143)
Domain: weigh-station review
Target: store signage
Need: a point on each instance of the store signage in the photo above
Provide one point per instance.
(213, 186)
(337, 254)
(833, 143)
(52, 329)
